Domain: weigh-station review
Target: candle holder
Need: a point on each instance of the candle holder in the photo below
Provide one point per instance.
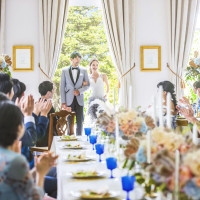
(87, 132)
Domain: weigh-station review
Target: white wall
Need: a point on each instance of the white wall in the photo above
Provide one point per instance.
(151, 29)
(22, 29)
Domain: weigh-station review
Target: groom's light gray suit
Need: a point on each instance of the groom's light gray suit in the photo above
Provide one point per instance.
(67, 87)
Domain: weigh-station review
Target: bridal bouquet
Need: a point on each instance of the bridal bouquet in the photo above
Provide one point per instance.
(5, 63)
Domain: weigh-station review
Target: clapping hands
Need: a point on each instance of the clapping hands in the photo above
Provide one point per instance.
(26, 105)
(44, 163)
(42, 106)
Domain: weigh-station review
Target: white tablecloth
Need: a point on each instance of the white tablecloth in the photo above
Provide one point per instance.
(67, 185)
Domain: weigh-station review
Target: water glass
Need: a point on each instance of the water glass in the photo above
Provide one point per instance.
(93, 140)
(87, 132)
(128, 184)
(99, 150)
(111, 163)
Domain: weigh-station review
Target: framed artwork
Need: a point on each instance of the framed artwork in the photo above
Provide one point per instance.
(150, 58)
(22, 58)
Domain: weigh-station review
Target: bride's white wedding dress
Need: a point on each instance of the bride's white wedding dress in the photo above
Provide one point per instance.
(96, 98)
(97, 88)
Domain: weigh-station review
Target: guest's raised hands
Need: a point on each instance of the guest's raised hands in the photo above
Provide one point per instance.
(185, 100)
(188, 113)
(47, 105)
(18, 101)
(38, 106)
(44, 163)
(27, 105)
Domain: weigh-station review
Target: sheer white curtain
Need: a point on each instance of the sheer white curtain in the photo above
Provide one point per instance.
(183, 16)
(2, 25)
(119, 23)
(52, 22)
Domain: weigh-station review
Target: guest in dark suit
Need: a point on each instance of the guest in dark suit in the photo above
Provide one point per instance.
(46, 90)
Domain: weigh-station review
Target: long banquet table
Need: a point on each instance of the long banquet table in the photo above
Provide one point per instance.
(67, 186)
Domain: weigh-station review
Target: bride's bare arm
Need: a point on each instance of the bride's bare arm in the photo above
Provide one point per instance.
(105, 79)
(85, 83)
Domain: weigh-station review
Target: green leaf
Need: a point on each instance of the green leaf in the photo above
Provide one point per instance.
(131, 165)
(125, 163)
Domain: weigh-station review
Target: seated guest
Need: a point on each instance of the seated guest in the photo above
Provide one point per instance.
(30, 136)
(169, 87)
(16, 180)
(6, 85)
(27, 105)
(46, 90)
(32, 132)
(186, 101)
(18, 88)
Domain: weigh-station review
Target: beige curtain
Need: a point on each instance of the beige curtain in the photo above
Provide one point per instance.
(119, 24)
(52, 22)
(2, 25)
(183, 16)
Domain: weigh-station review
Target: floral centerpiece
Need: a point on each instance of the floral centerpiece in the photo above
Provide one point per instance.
(162, 167)
(131, 123)
(5, 63)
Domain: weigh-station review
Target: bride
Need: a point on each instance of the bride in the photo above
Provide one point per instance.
(97, 82)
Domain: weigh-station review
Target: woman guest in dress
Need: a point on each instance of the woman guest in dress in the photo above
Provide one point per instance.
(16, 181)
(169, 87)
(97, 82)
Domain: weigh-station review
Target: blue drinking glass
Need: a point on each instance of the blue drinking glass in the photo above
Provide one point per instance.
(128, 184)
(111, 164)
(99, 150)
(93, 140)
(87, 132)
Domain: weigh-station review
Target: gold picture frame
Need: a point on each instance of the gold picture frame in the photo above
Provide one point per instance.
(150, 58)
(22, 58)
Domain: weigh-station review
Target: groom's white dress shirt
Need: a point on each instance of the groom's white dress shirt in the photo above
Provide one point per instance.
(74, 73)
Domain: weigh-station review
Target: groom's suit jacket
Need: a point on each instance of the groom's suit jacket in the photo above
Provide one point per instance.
(68, 85)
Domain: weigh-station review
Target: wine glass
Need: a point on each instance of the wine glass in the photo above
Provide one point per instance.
(111, 163)
(99, 150)
(87, 132)
(93, 140)
(128, 184)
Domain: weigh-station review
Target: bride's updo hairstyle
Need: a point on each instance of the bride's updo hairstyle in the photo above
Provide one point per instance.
(169, 87)
(90, 63)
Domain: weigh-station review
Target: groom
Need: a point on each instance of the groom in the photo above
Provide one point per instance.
(72, 89)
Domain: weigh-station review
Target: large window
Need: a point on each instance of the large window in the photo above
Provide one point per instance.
(192, 73)
(85, 33)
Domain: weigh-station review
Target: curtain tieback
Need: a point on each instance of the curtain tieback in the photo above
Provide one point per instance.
(125, 75)
(44, 72)
(182, 81)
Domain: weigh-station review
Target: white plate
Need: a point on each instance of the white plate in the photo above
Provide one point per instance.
(78, 160)
(74, 148)
(78, 194)
(99, 175)
(68, 139)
